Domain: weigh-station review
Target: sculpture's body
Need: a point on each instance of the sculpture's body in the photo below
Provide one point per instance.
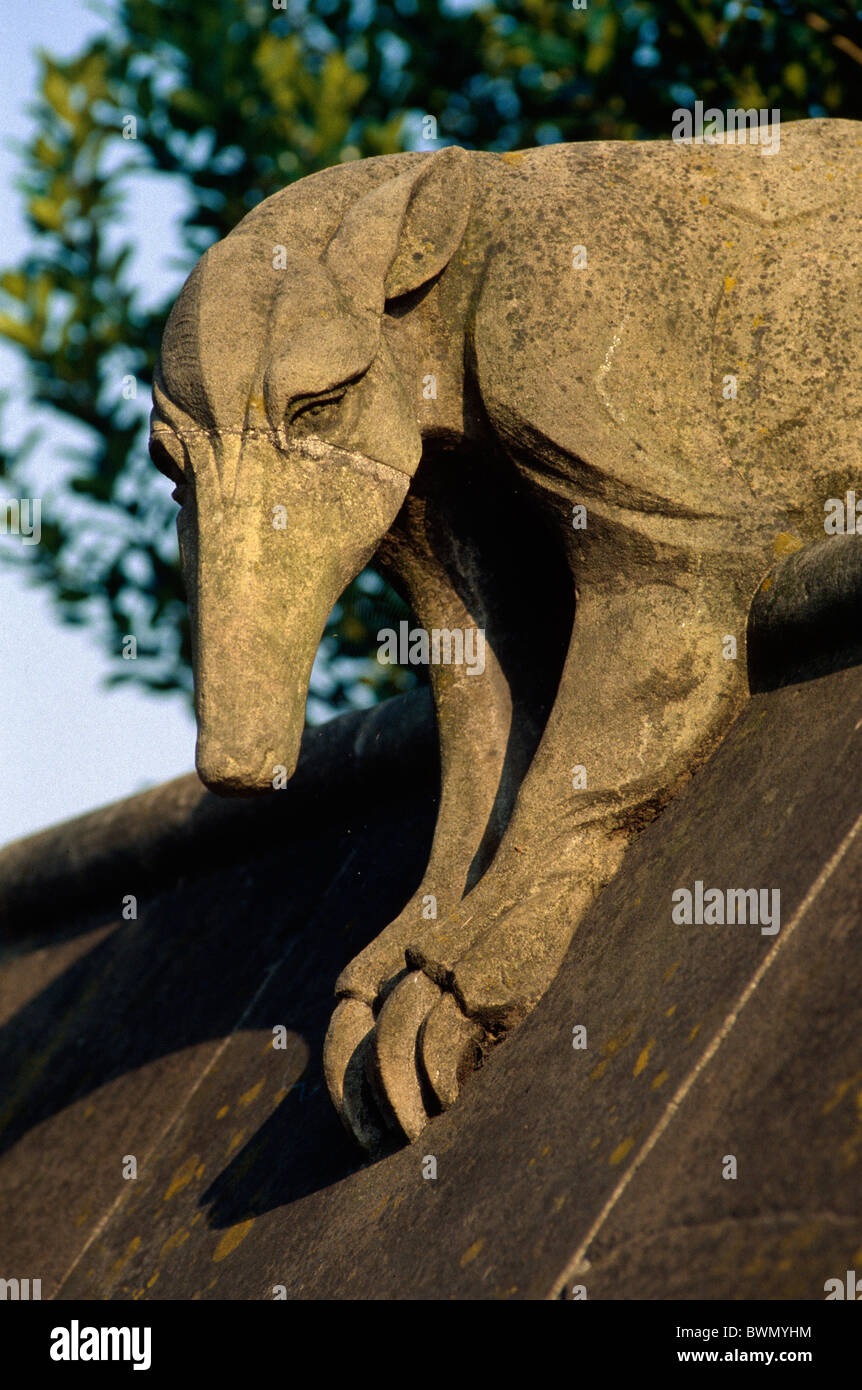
(292, 377)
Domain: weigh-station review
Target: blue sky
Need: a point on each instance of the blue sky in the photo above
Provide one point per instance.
(67, 743)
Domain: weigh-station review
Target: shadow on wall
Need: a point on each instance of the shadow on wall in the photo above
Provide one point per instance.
(236, 946)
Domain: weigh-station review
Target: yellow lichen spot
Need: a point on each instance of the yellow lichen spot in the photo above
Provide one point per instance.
(695, 1030)
(232, 1237)
(596, 1142)
(704, 200)
(620, 1152)
(643, 1058)
(729, 284)
(197, 1217)
(512, 156)
(785, 544)
(199, 1171)
(839, 1092)
(251, 1094)
(729, 245)
(559, 1202)
(671, 971)
(470, 1254)
(182, 1177)
(668, 1013)
(151, 1281)
(758, 320)
(132, 1246)
(379, 1210)
(800, 1239)
(619, 1040)
(173, 1242)
(767, 584)
(90, 1111)
(220, 1114)
(658, 1080)
(235, 1140)
(545, 1151)
(599, 1070)
(84, 1212)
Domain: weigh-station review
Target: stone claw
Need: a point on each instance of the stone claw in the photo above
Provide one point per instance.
(449, 1049)
(345, 1050)
(392, 1060)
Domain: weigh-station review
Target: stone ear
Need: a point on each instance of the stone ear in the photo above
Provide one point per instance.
(396, 238)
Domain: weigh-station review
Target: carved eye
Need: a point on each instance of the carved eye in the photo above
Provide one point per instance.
(315, 412)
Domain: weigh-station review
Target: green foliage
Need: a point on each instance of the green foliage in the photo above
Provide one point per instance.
(234, 98)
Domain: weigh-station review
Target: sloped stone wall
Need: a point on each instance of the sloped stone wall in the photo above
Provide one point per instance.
(598, 1168)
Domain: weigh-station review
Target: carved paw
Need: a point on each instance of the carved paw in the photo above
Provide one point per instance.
(421, 1013)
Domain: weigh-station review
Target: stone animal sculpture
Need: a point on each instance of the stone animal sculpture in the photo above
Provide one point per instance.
(578, 397)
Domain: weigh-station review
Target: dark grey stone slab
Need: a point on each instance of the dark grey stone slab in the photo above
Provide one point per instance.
(601, 1167)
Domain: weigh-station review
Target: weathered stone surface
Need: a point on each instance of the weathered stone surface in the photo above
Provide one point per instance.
(109, 1025)
(618, 663)
(657, 341)
(599, 1166)
(804, 618)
